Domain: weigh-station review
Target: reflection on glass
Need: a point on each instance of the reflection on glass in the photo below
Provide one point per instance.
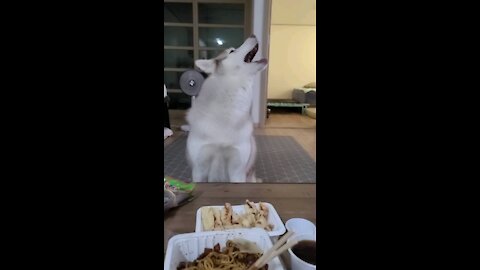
(221, 13)
(178, 58)
(209, 54)
(177, 36)
(177, 12)
(228, 37)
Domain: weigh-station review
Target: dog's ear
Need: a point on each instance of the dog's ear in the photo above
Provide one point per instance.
(207, 66)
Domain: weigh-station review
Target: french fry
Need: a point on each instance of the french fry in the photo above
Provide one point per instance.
(217, 220)
(224, 218)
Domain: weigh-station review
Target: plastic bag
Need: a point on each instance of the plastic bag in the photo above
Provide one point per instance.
(175, 192)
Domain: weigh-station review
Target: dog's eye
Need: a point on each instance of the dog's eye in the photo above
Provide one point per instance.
(232, 50)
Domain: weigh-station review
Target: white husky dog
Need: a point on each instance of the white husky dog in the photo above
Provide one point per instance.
(220, 144)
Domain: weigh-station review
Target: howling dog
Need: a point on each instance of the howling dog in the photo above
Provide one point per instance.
(220, 145)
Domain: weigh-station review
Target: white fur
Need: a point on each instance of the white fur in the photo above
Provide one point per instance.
(220, 144)
(167, 133)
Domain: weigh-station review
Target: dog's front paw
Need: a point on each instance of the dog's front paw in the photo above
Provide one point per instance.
(238, 181)
(257, 180)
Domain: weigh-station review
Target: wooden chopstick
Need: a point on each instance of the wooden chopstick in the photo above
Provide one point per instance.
(274, 251)
(278, 252)
(278, 244)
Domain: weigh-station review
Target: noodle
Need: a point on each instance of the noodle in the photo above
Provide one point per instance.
(230, 259)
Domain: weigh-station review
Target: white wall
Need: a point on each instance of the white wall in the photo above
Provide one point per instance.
(293, 47)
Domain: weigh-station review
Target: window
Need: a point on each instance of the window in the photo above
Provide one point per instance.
(199, 29)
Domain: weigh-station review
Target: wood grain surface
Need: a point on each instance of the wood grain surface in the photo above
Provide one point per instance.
(290, 201)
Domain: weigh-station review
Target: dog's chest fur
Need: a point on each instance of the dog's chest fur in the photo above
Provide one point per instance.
(230, 92)
(223, 105)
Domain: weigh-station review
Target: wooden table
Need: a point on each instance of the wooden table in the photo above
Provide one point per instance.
(290, 200)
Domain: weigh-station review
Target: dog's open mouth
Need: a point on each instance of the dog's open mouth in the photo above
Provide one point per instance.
(251, 54)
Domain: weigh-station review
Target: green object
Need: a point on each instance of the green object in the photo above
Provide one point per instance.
(287, 103)
(176, 185)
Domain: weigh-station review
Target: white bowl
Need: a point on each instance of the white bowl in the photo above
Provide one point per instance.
(187, 247)
(295, 262)
(273, 218)
(300, 226)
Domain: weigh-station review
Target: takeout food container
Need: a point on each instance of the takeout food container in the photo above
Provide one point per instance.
(187, 247)
(273, 218)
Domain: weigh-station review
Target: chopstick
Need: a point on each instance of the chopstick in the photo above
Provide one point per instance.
(274, 251)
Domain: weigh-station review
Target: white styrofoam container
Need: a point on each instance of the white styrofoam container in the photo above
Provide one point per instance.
(188, 246)
(273, 218)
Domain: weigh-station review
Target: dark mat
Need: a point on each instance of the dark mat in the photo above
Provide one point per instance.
(280, 159)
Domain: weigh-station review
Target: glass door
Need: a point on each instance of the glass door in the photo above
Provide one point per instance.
(199, 29)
